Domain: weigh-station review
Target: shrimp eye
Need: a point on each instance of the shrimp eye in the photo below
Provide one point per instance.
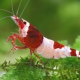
(24, 22)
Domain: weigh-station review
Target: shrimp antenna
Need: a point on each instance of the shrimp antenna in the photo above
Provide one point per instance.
(18, 7)
(24, 8)
(5, 17)
(6, 11)
(12, 7)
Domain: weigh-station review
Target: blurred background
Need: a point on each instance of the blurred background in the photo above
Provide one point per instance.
(55, 19)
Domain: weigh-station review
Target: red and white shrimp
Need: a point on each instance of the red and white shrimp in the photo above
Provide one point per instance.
(31, 38)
